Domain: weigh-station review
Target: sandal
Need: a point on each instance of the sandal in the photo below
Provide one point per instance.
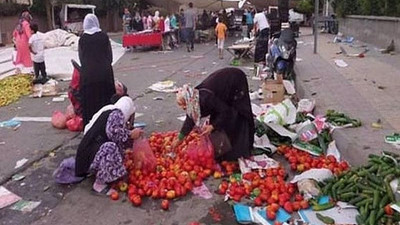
(106, 191)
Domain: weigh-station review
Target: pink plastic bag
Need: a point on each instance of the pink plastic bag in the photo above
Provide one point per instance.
(69, 112)
(58, 120)
(202, 152)
(75, 124)
(143, 156)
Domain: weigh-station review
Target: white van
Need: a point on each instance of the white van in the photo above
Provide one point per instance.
(71, 16)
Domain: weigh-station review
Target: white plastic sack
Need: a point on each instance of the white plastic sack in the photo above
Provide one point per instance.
(263, 143)
(318, 175)
(257, 162)
(333, 150)
(282, 113)
(306, 105)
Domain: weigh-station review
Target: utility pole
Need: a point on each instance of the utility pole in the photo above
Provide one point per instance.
(316, 19)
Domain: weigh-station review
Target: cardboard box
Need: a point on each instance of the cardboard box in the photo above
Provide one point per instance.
(273, 91)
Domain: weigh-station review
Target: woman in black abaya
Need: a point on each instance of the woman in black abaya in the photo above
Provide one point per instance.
(224, 96)
(97, 77)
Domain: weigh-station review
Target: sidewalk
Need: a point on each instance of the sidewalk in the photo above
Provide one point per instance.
(366, 89)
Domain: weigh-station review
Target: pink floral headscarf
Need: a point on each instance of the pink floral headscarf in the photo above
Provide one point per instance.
(191, 97)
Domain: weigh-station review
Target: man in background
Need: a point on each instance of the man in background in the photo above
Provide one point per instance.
(190, 16)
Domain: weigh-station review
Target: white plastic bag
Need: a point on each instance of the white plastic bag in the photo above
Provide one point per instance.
(282, 113)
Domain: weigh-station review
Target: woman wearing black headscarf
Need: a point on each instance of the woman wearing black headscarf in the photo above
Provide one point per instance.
(224, 96)
(97, 80)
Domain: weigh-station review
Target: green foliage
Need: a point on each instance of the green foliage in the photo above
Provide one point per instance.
(367, 7)
(105, 5)
(306, 7)
(11, 9)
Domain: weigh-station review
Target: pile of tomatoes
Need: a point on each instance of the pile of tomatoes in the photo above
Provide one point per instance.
(176, 173)
(301, 161)
(267, 187)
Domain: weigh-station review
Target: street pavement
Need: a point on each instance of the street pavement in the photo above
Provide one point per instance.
(317, 77)
(368, 88)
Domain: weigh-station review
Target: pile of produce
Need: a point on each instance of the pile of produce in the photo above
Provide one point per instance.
(340, 119)
(301, 161)
(13, 87)
(368, 188)
(264, 188)
(173, 174)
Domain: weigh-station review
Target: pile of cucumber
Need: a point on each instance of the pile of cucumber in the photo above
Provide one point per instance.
(340, 119)
(368, 188)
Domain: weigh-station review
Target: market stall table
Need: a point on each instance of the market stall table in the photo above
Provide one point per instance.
(146, 39)
(240, 50)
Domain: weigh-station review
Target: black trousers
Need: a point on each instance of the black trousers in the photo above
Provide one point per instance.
(189, 37)
(39, 67)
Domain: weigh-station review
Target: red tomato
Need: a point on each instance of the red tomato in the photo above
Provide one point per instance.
(236, 198)
(388, 210)
(304, 204)
(298, 197)
(331, 158)
(344, 165)
(165, 204)
(171, 194)
(136, 200)
(114, 196)
(257, 201)
(271, 215)
(274, 207)
(288, 207)
(296, 206)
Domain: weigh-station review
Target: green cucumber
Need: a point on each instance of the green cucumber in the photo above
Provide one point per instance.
(325, 219)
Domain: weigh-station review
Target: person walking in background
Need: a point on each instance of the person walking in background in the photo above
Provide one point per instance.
(137, 24)
(21, 36)
(190, 26)
(261, 29)
(36, 46)
(249, 22)
(221, 31)
(97, 76)
(174, 30)
(205, 20)
(126, 21)
(181, 22)
(156, 20)
(150, 23)
(144, 21)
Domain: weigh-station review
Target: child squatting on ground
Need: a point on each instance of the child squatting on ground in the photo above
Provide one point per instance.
(220, 31)
(36, 47)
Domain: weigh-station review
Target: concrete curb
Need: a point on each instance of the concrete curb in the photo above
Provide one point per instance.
(37, 158)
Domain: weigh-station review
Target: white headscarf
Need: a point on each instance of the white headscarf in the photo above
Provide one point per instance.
(156, 17)
(91, 24)
(127, 107)
(125, 104)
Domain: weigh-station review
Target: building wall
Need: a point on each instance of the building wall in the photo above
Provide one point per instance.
(8, 24)
(375, 30)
